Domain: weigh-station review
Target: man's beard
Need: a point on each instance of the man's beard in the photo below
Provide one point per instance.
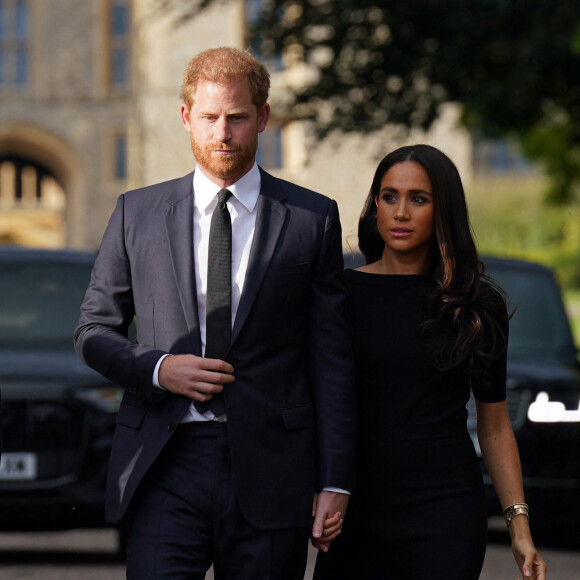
(228, 167)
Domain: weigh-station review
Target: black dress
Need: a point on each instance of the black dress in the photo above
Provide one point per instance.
(418, 510)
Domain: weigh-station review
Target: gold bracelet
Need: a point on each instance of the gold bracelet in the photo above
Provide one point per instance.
(514, 510)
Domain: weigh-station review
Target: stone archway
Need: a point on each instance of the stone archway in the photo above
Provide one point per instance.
(40, 183)
(32, 203)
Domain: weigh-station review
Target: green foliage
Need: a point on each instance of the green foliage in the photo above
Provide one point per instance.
(511, 64)
(553, 142)
(509, 219)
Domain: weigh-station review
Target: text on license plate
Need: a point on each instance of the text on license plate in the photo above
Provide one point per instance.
(18, 466)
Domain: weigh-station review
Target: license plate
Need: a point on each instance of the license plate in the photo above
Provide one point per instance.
(18, 466)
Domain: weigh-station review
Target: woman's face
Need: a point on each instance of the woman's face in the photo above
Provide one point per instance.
(405, 211)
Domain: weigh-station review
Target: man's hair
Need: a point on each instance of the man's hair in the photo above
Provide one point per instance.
(225, 64)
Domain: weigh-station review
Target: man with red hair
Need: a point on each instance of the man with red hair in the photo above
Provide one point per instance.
(217, 459)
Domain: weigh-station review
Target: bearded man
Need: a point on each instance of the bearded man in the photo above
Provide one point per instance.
(238, 414)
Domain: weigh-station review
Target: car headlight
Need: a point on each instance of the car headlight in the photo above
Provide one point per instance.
(542, 410)
(105, 399)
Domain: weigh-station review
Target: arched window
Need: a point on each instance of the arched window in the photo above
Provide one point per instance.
(25, 184)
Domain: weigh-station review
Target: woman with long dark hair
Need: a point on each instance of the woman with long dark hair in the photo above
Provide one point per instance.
(429, 328)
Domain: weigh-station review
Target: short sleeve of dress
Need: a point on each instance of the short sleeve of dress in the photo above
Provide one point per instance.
(496, 390)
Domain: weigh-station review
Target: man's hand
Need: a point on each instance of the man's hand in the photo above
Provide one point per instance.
(328, 509)
(195, 377)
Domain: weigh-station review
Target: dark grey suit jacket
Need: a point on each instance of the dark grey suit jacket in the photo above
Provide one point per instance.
(291, 411)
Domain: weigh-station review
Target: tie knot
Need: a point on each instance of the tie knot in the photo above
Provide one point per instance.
(224, 195)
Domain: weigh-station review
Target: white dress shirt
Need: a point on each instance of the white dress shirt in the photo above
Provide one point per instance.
(242, 208)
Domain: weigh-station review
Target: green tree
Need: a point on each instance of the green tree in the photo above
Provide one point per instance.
(514, 65)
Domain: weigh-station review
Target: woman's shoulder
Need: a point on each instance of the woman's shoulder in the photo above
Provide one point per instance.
(493, 305)
(491, 295)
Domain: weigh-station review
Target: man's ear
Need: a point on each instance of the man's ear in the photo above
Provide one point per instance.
(186, 118)
(263, 116)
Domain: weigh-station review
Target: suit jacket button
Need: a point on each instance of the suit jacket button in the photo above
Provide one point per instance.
(171, 426)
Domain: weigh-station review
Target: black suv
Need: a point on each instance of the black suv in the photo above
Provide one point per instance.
(543, 392)
(58, 416)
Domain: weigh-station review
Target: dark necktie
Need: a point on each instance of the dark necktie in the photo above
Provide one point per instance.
(218, 330)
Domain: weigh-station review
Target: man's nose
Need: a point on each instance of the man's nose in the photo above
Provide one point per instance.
(222, 130)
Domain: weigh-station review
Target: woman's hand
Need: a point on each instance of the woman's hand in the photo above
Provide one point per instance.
(528, 560)
(500, 453)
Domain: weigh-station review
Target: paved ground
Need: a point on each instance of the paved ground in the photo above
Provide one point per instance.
(90, 555)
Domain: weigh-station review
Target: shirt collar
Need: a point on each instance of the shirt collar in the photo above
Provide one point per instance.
(245, 190)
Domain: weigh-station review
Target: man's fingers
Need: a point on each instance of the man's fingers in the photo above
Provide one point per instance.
(215, 364)
(210, 371)
(326, 513)
(326, 527)
(214, 377)
(318, 525)
(203, 391)
(197, 367)
(326, 530)
(195, 377)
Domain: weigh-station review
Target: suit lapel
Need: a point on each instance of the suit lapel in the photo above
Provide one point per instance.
(271, 214)
(179, 227)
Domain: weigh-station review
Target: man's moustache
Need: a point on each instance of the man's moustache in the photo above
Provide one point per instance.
(220, 147)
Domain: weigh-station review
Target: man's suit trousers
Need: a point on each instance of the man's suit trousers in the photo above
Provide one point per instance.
(185, 518)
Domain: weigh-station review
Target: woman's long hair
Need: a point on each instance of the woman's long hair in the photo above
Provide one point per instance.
(465, 298)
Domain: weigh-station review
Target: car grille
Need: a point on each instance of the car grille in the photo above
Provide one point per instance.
(52, 430)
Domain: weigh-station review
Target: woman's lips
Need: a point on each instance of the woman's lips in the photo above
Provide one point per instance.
(401, 232)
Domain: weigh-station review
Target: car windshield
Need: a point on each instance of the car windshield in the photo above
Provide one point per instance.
(539, 327)
(39, 303)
